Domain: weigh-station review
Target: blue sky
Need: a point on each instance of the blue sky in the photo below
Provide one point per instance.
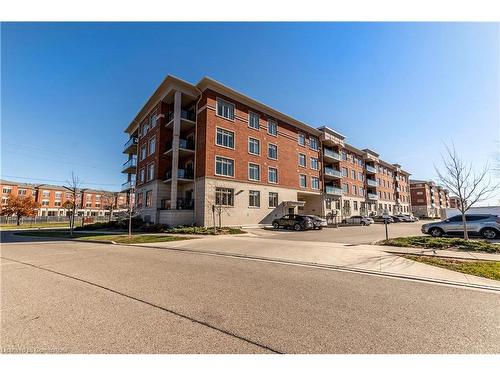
(402, 89)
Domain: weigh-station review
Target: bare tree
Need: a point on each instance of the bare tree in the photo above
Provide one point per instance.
(109, 202)
(468, 184)
(74, 184)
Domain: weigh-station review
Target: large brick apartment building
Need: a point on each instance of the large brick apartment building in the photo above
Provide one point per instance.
(428, 198)
(196, 148)
(51, 198)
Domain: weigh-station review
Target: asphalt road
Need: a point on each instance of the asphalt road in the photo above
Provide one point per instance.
(349, 235)
(69, 297)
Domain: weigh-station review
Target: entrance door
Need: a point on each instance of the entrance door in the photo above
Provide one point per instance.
(291, 210)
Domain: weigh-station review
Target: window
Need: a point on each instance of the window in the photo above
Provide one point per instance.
(253, 146)
(152, 146)
(224, 166)
(272, 127)
(7, 190)
(353, 174)
(224, 196)
(21, 192)
(302, 160)
(225, 109)
(272, 151)
(151, 172)
(153, 119)
(360, 176)
(145, 128)
(57, 204)
(345, 188)
(253, 120)
(343, 155)
(254, 198)
(314, 163)
(45, 202)
(272, 175)
(225, 138)
(58, 194)
(355, 205)
(149, 198)
(420, 192)
(143, 152)
(303, 180)
(254, 172)
(139, 200)
(273, 200)
(302, 139)
(361, 191)
(313, 143)
(328, 203)
(315, 183)
(345, 172)
(141, 175)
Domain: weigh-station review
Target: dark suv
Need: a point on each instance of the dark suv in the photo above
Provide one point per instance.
(297, 222)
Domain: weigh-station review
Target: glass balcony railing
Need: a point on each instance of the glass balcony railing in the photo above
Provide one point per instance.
(371, 182)
(130, 164)
(331, 154)
(333, 172)
(128, 185)
(131, 142)
(186, 174)
(186, 144)
(372, 196)
(333, 190)
(371, 169)
(185, 114)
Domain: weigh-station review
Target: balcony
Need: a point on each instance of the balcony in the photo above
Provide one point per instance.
(329, 154)
(126, 186)
(185, 115)
(182, 174)
(182, 204)
(332, 172)
(371, 182)
(130, 146)
(372, 197)
(130, 166)
(370, 169)
(186, 146)
(333, 190)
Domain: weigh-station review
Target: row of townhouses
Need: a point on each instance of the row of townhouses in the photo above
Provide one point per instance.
(51, 198)
(200, 151)
(429, 199)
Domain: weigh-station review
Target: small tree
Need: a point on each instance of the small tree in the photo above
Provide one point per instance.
(109, 202)
(468, 184)
(20, 207)
(72, 204)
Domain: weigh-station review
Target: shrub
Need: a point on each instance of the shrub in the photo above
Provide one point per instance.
(153, 228)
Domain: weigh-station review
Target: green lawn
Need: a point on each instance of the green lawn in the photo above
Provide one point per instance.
(444, 243)
(488, 269)
(204, 230)
(62, 224)
(119, 238)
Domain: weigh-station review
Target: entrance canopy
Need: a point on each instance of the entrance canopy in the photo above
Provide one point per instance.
(294, 203)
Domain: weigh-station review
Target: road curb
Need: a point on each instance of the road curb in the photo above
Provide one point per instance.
(440, 256)
(327, 266)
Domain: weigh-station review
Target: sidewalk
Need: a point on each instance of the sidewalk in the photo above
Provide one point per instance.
(367, 258)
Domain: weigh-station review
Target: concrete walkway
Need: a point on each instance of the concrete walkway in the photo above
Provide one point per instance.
(366, 258)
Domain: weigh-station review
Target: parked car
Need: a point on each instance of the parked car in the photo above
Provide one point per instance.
(297, 222)
(383, 218)
(363, 220)
(397, 219)
(318, 222)
(405, 218)
(487, 226)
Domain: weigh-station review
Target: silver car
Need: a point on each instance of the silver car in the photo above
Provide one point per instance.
(363, 220)
(487, 226)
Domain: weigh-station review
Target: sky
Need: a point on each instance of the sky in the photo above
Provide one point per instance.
(68, 90)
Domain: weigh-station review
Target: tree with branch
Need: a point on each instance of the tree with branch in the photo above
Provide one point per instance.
(20, 207)
(109, 201)
(470, 185)
(73, 187)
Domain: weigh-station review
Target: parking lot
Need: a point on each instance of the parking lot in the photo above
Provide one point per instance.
(348, 234)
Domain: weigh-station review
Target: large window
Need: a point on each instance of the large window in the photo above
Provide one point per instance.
(345, 188)
(272, 151)
(254, 198)
(152, 146)
(315, 183)
(353, 174)
(141, 175)
(225, 109)
(224, 166)
(345, 172)
(143, 152)
(301, 139)
(254, 172)
(272, 127)
(7, 190)
(303, 180)
(46, 194)
(273, 175)
(254, 146)
(149, 198)
(253, 120)
(302, 160)
(273, 200)
(151, 172)
(224, 196)
(23, 192)
(314, 163)
(225, 138)
(313, 143)
(139, 200)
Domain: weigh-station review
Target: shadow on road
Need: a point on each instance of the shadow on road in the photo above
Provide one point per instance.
(11, 236)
